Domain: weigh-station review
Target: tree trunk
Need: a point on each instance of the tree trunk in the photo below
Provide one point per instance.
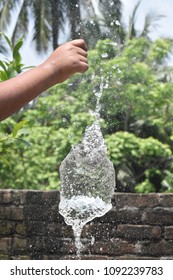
(55, 22)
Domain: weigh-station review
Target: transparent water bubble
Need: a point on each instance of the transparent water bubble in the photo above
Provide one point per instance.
(87, 179)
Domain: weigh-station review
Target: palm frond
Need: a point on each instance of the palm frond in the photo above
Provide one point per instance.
(22, 23)
(6, 10)
(132, 22)
(151, 20)
(42, 28)
(4, 17)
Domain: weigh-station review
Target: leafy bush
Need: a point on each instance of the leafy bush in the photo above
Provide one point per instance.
(140, 163)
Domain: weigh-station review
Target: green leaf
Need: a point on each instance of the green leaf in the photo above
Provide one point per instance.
(7, 39)
(17, 127)
(7, 163)
(16, 55)
(2, 64)
(3, 76)
(27, 143)
(17, 47)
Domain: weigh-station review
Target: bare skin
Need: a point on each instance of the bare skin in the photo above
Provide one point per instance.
(65, 61)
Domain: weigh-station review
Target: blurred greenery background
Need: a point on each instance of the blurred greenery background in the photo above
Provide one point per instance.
(136, 113)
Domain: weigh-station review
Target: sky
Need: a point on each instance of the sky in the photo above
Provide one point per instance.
(156, 7)
(164, 27)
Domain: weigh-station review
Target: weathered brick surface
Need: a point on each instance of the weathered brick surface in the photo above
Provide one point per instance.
(157, 248)
(20, 229)
(135, 200)
(139, 226)
(19, 245)
(166, 200)
(5, 245)
(168, 234)
(11, 213)
(159, 216)
(6, 228)
(138, 232)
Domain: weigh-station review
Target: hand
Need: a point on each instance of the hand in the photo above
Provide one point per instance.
(66, 60)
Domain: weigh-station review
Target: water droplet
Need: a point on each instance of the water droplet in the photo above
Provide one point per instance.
(104, 55)
(117, 23)
(92, 240)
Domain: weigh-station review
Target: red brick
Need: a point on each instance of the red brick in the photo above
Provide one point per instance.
(5, 245)
(7, 197)
(121, 216)
(13, 213)
(159, 249)
(158, 216)
(105, 248)
(21, 229)
(121, 200)
(98, 231)
(138, 232)
(113, 247)
(19, 244)
(166, 200)
(6, 228)
(59, 230)
(126, 247)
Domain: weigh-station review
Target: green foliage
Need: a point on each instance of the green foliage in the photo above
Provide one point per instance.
(136, 120)
(145, 187)
(137, 49)
(11, 68)
(159, 50)
(147, 158)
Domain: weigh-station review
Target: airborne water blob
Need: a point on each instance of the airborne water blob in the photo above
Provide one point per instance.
(87, 180)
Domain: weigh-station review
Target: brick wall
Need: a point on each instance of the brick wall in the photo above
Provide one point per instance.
(137, 227)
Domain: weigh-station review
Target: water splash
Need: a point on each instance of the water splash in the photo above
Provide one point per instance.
(87, 179)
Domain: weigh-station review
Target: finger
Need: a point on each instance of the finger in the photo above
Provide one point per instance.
(82, 52)
(80, 43)
(83, 67)
(83, 59)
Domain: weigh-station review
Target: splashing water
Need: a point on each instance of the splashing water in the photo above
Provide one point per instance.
(87, 180)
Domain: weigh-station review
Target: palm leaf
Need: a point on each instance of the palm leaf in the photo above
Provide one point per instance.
(132, 22)
(22, 23)
(150, 21)
(42, 28)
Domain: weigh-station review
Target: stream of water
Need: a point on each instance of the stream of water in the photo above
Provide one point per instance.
(87, 180)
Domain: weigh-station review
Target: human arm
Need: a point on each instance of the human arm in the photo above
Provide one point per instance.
(68, 59)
